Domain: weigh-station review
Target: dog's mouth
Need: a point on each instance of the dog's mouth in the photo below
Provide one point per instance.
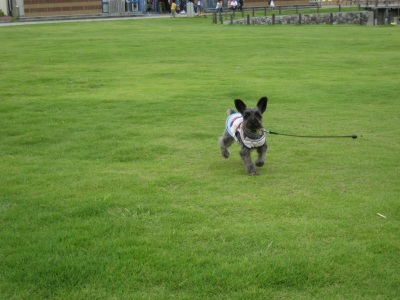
(254, 126)
(253, 134)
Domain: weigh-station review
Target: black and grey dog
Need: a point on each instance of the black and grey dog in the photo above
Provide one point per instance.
(247, 129)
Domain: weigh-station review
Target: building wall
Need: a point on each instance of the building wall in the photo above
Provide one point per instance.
(3, 6)
(61, 7)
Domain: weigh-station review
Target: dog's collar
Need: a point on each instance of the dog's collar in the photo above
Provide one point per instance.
(254, 141)
(253, 135)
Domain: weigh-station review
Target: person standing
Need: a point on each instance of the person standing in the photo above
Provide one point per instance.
(240, 6)
(149, 6)
(219, 7)
(183, 6)
(234, 5)
(173, 9)
(200, 10)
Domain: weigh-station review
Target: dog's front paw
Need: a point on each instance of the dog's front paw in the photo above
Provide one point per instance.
(252, 171)
(259, 163)
(225, 153)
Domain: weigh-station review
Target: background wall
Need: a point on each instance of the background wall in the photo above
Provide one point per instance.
(355, 18)
(3, 6)
(61, 7)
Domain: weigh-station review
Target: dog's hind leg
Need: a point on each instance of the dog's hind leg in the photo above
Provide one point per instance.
(225, 141)
(262, 152)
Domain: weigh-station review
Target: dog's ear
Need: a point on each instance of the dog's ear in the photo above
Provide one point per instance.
(262, 104)
(240, 106)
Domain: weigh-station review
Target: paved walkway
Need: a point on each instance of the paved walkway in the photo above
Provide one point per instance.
(89, 19)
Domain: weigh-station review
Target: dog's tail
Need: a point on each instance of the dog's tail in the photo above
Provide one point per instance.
(231, 111)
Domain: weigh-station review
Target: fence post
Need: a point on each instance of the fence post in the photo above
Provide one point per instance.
(248, 19)
(252, 12)
(374, 18)
(220, 18)
(297, 9)
(273, 19)
(231, 19)
(299, 19)
(279, 10)
(331, 18)
(265, 11)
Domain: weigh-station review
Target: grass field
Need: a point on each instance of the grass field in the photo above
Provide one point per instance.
(113, 187)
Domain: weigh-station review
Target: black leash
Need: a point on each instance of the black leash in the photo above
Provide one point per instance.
(354, 136)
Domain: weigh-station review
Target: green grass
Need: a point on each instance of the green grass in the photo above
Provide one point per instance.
(113, 187)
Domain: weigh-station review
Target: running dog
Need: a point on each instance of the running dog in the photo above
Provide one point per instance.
(245, 126)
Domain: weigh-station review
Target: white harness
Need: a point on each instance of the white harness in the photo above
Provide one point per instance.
(234, 128)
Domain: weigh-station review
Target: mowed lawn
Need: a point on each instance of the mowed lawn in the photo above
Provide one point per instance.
(112, 185)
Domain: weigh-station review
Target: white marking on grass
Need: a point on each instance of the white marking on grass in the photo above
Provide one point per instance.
(269, 245)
